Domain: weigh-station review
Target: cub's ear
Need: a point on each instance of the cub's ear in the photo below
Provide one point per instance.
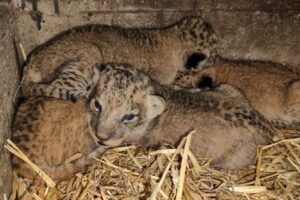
(156, 106)
(97, 71)
(96, 75)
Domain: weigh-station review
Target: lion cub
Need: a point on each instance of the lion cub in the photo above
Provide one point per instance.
(272, 89)
(63, 67)
(49, 131)
(136, 109)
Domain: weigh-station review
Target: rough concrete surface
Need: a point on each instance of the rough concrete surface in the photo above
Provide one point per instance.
(8, 84)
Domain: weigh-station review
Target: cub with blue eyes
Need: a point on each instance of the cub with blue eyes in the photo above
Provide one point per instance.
(137, 109)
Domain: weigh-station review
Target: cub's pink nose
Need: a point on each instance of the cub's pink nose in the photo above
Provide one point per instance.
(110, 139)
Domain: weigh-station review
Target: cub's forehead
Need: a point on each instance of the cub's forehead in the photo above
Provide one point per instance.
(123, 76)
(123, 82)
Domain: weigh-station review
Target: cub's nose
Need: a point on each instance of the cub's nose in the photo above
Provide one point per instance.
(110, 139)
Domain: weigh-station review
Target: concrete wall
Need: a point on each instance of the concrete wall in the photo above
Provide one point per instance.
(9, 79)
(251, 29)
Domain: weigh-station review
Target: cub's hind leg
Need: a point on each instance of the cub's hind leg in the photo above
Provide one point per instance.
(239, 155)
(71, 81)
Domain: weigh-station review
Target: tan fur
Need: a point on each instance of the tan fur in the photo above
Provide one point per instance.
(228, 129)
(49, 131)
(161, 52)
(272, 89)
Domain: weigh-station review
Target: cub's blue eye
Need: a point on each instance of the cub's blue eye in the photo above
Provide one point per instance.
(128, 118)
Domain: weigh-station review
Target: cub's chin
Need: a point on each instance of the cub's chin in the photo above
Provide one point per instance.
(113, 142)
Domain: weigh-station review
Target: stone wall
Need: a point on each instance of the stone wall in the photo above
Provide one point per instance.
(9, 79)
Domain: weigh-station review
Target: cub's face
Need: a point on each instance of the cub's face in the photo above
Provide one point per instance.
(124, 97)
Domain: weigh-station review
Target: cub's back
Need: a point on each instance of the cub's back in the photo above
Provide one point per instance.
(267, 85)
(49, 131)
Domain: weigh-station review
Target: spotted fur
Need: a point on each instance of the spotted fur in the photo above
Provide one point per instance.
(271, 88)
(49, 131)
(63, 67)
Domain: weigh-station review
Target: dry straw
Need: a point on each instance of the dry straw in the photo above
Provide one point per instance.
(132, 173)
(10, 146)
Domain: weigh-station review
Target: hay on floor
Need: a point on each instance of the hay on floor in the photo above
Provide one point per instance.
(132, 172)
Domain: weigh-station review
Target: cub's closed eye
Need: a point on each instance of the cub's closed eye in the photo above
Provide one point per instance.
(129, 118)
(98, 106)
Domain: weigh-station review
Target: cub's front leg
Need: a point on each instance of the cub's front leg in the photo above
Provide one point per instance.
(72, 81)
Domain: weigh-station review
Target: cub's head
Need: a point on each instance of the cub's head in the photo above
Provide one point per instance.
(125, 98)
(200, 41)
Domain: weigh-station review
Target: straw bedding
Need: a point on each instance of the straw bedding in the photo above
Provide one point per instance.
(132, 172)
